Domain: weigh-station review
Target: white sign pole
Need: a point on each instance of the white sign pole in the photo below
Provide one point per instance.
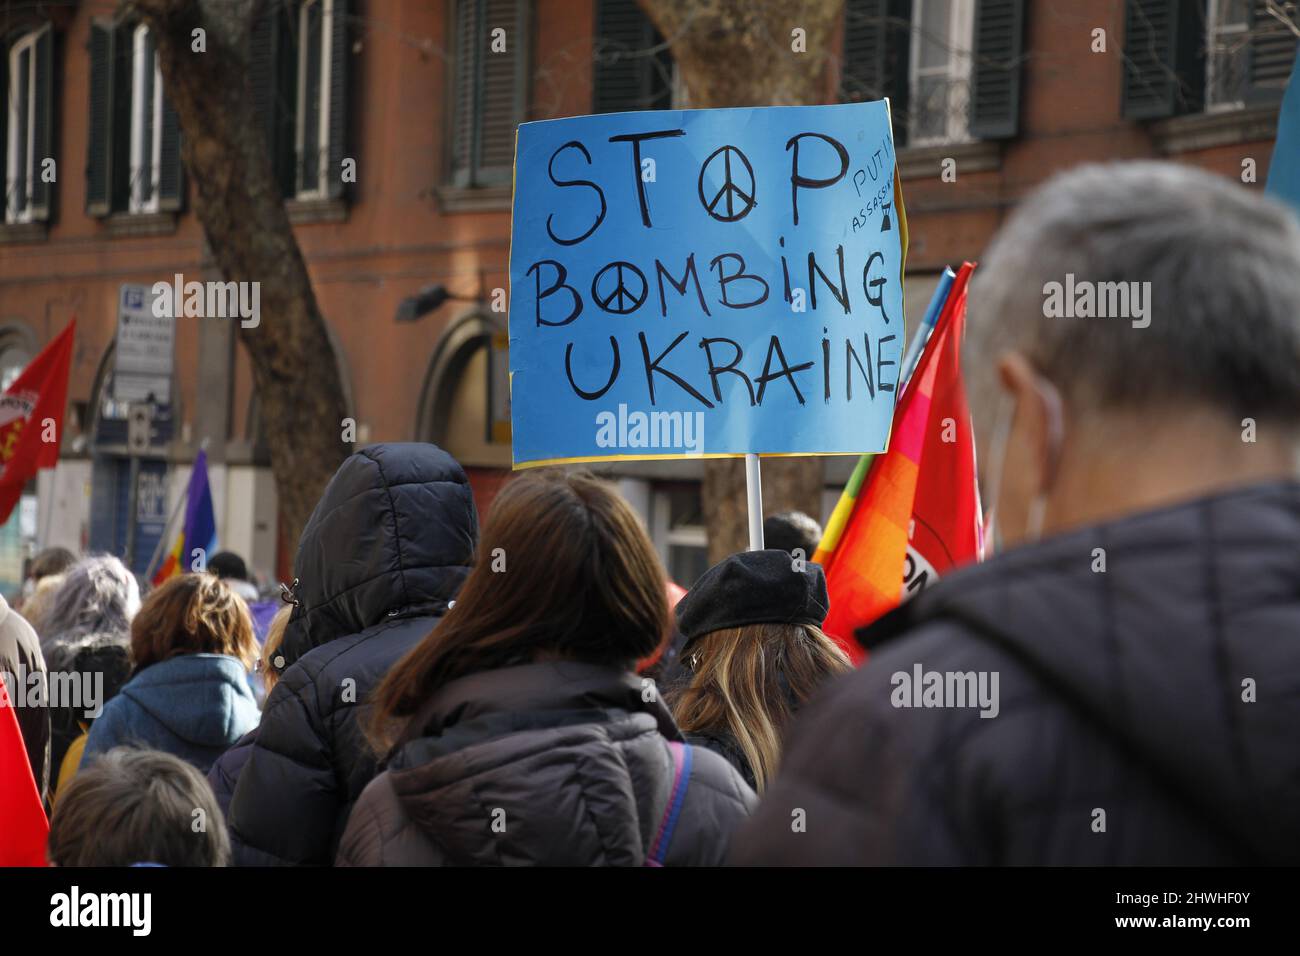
(754, 492)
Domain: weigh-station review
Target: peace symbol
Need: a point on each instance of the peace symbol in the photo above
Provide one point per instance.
(730, 189)
(621, 299)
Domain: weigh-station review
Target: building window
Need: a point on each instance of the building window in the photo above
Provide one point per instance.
(25, 103)
(1227, 43)
(632, 67)
(678, 531)
(1182, 57)
(13, 359)
(22, 77)
(298, 64)
(940, 75)
(489, 84)
(311, 138)
(133, 162)
(951, 69)
(146, 122)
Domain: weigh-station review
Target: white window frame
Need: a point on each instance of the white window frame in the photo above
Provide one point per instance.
(323, 141)
(1215, 34)
(664, 536)
(144, 195)
(957, 71)
(27, 43)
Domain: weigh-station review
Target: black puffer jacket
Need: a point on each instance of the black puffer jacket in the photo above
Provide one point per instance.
(555, 763)
(1164, 691)
(386, 549)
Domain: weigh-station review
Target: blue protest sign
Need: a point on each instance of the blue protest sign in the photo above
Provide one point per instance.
(1283, 168)
(705, 283)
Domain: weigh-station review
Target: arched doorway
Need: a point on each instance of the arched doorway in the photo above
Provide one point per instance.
(465, 401)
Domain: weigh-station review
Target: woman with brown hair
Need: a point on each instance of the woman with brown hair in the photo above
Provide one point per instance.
(518, 732)
(754, 653)
(192, 646)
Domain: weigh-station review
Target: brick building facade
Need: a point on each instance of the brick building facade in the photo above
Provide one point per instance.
(997, 94)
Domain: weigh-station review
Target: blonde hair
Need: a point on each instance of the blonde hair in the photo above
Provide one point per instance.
(749, 681)
(274, 638)
(38, 607)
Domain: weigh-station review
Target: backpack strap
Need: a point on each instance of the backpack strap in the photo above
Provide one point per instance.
(682, 759)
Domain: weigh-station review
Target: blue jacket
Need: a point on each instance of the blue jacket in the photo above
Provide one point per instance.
(194, 706)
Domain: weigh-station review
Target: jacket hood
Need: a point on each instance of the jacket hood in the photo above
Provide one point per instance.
(556, 752)
(204, 699)
(1197, 603)
(392, 536)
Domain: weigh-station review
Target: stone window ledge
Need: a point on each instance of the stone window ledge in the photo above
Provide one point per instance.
(475, 198)
(123, 224)
(23, 232)
(1185, 134)
(306, 211)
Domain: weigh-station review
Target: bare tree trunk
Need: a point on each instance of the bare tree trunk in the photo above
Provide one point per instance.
(741, 53)
(238, 201)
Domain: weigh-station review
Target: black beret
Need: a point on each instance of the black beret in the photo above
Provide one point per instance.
(754, 587)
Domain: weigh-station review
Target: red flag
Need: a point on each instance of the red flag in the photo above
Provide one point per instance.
(23, 827)
(947, 528)
(31, 414)
(917, 513)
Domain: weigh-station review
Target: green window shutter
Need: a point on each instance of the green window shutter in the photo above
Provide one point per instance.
(273, 77)
(99, 147)
(1270, 55)
(996, 73)
(877, 52)
(119, 127)
(489, 90)
(171, 172)
(1164, 58)
(261, 65)
(500, 102)
(625, 77)
(464, 81)
(338, 86)
(311, 22)
(43, 124)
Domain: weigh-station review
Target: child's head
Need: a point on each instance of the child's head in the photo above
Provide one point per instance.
(138, 806)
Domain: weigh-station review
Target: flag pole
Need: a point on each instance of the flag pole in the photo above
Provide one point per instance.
(911, 358)
(754, 494)
(166, 534)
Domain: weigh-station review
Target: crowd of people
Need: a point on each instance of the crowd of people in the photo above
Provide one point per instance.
(532, 694)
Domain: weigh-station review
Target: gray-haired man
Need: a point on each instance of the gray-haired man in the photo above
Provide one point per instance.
(1140, 621)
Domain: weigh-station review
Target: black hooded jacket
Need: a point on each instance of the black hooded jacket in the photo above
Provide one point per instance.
(385, 551)
(1147, 707)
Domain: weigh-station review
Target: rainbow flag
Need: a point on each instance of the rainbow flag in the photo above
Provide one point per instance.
(868, 541)
(199, 529)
